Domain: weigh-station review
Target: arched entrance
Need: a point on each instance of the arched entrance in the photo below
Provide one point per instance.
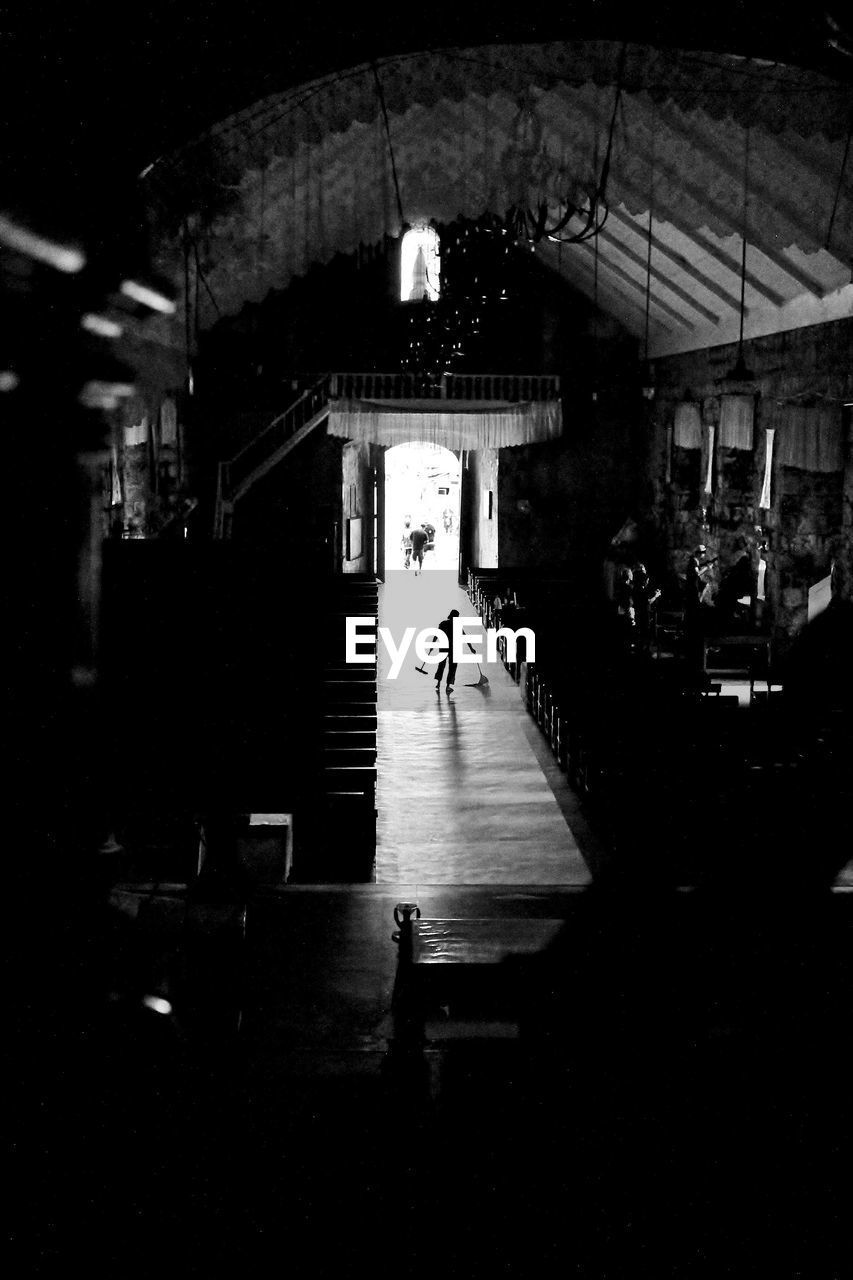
(422, 486)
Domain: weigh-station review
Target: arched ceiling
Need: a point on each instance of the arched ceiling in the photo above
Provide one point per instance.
(305, 174)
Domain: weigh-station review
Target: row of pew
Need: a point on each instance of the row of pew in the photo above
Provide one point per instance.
(680, 777)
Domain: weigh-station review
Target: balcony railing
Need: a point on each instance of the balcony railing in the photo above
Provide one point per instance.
(451, 386)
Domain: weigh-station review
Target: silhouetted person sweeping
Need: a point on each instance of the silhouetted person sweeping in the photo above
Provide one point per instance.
(451, 659)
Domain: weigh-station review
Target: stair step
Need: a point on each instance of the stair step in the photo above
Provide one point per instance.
(349, 777)
(355, 722)
(334, 757)
(349, 738)
(350, 672)
(360, 690)
(337, 679)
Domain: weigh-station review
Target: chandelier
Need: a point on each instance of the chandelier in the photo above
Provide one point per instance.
(536, 223)
(533, 225)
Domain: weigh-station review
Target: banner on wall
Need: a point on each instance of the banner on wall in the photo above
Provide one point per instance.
(764, 500)
(709, 473)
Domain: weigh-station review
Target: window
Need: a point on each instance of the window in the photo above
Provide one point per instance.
(420, 265)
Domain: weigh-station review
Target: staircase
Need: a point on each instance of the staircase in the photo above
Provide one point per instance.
(336, 835)
(266, 450)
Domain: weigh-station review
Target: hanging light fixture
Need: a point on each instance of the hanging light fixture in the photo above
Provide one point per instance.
(531, 225)
(648, 383)
(739, 371)
(595, 326)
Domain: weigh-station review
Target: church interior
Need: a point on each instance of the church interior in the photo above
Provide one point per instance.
(539, 959)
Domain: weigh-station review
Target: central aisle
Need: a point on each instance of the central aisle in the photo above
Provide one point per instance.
(461, 795)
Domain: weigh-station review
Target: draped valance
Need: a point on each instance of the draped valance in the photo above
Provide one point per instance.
(460, 424)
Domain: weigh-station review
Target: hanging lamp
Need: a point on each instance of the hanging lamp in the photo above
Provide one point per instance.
(595, 325)
(739, 371)
(648, 382)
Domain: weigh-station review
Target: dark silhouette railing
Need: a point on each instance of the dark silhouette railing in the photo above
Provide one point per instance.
(236, 476)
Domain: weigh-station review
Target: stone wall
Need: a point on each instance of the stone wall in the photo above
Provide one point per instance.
(294, 512)
(562, 502)
(807, 525)
(145, 488)
(357, 503)
(478, 482)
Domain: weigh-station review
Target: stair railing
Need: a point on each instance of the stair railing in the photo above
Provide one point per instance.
(239, 473)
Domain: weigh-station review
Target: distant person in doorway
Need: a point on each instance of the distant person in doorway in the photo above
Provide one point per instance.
(419, 541)
(406, 544)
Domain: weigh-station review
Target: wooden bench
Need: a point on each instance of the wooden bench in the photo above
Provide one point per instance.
(746, 656)
(452, 980)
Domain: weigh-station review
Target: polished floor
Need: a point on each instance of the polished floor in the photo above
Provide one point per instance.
(467, 793)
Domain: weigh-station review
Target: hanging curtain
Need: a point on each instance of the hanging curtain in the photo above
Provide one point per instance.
(709, 474)
(137, 431)
(737, 414)
(811, 438)
(168, 422)
(764, 500)
(446, 423)
(688, 425)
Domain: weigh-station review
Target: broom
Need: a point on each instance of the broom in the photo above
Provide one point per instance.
(478, 683)
(421, 670)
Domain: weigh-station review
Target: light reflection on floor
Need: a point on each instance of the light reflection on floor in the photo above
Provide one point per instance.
(461, 796)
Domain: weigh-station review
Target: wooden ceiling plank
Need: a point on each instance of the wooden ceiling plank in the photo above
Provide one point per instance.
(657, 274)
(725, 259)
(679, 260)
(701, 197)
(734, 171)
(617, 291)
(638, 285)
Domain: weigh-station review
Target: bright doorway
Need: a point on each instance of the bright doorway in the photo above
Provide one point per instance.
(422, 486)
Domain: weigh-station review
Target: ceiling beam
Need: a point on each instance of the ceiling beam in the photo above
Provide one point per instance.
(624, 297)
(684, 264)
(719, 211)
(734, 171)
(638, 285)
(703, 199)
(722, 256)
(788, 145)
(616, 291)
(655, 272)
